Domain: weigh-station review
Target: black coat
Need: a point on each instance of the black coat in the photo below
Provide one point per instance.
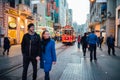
(84, 41)
(6, 43)
(111, 41)
(31, 48)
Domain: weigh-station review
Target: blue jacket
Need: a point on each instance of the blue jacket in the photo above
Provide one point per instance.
(48, 57)
(92, 39)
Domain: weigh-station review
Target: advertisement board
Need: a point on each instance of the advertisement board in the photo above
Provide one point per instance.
(101, 1)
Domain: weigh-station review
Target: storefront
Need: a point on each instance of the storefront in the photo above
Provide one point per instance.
(16, 21)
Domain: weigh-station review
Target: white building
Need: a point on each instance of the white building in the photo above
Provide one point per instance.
(39, 11)
(75, 26)
(70, 17)
(88, 22)
(62, 12)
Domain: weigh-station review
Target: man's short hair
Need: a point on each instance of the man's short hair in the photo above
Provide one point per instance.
(30, 25)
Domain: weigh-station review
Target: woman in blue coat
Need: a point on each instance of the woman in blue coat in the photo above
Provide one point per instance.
(48, 56)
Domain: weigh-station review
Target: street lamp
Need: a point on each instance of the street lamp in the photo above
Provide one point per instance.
(92, 1)
(42, 1)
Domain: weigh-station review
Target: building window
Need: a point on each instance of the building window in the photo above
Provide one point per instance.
(35, 8)
(12, 3)
(119, 13)
(20, 1)
(27, 2)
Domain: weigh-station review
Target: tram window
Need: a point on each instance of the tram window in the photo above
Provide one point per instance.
(68, 32)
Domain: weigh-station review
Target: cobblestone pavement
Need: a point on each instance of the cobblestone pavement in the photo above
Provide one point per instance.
(71, 65)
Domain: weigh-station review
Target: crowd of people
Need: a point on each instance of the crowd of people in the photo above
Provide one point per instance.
(91, 41)
(42, 49)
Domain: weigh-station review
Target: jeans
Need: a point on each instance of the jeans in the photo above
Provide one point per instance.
(79, 45)
(84, 46)
(93, 51)
(47, 77)
(26, 61)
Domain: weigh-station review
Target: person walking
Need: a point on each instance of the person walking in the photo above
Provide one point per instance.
(84, 44)
(92, 41)
(111, 44)
(79, 39)
(100, 39)
(30, 50)
(48, 56)
(6, 45)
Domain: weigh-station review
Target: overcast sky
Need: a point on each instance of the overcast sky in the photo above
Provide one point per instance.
(80, 10)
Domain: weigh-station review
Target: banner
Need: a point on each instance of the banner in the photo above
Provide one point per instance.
(101, 1)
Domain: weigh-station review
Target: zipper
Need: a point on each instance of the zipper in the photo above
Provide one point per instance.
(30, 48)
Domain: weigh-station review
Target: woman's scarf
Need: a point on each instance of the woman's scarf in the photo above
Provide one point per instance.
(44, 44)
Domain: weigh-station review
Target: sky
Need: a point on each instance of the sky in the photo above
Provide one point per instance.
(80, 10)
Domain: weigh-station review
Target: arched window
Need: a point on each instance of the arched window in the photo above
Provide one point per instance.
(118, 13)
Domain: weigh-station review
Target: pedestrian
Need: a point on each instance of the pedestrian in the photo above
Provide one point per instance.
(111, 44)
(100, 39)
(48, 56)
(30, 50)
(92, 41)
(6, 45)
(79, 39)
(84, 44)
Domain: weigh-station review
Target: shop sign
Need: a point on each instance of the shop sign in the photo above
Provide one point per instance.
(24, 10)
(12, 11)
(48, 9)
(101, 1)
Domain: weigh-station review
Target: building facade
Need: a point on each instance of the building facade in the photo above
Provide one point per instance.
(62, 12)
(117, 36)
(16, 17)
(70, 17)
(39, 12)
(98, 16)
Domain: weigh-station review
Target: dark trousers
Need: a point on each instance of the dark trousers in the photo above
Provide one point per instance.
(47, 77)
(26, 62)
(109, 49)
(92, 51)
(79, 45)
(5, 51)
(84, 46)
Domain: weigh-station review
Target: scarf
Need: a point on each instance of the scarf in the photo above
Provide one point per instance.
(44, 44)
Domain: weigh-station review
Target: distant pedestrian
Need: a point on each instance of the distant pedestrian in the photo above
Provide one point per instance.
(111, 44)
(6, 45)
(92, 41)
(84, 43)
(48, 56)
(100, 41)
(79, 39)
(30, 50)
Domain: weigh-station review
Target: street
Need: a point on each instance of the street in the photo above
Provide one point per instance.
(71, 65)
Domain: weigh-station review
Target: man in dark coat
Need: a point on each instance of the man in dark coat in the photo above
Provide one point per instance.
(6, 45)
(84, 44)
(100, 39)
(31, 51)
(111, 44)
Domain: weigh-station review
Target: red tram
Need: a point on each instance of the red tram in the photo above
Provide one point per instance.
(68, 35)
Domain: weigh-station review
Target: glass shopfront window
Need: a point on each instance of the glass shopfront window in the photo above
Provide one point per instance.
(12, 32)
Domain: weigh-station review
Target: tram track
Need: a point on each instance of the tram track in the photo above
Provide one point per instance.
(14, 68)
